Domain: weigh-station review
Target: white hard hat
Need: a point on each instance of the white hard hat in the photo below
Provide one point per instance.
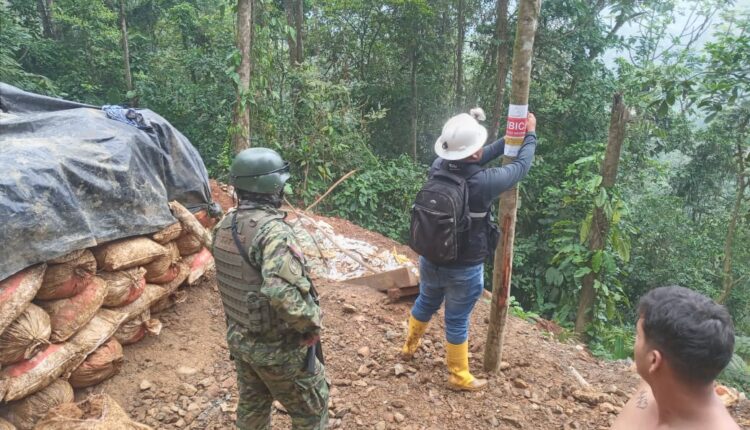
(462, 136)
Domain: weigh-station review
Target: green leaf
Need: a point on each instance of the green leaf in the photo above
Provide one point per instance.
(601, 198)
(620, 245)
(581, 272)
(585, 228)
(553, 276)
(596, 261)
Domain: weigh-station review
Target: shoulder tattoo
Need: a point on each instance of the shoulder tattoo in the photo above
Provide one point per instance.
(642, 400)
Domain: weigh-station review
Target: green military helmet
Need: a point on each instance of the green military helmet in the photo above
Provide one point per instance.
(259, 170)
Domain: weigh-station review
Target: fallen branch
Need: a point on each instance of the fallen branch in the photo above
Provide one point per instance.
(582, 382)
(343, 178)
(312, 236)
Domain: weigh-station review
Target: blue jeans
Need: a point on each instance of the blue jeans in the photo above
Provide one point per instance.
(461, 287)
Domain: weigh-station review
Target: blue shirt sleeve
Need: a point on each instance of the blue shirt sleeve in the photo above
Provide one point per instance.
(495, 180)
(492, 151)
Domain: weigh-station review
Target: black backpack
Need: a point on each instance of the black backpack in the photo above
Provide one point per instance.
(440, 217)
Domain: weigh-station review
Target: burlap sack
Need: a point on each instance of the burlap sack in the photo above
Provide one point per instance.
(5, 425)
(28, 334)
(182, 275)
(97, 331)
(190, 224)
(56, 360)
(168, 234)
(100, 365)
(67, 279)
(161, 270)
(188, 244)
(199, 263)
(150, 295)
(26, 412)
(30, 376)
(17, 292)
(67, 257)
(127, 253)
(123, 286)
(169, 301)
(98, 412)
(136, 329)
(68, 315)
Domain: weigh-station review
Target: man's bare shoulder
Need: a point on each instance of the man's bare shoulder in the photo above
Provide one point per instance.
(639, 412)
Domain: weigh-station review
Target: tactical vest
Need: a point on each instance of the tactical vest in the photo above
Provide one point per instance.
(240, 282)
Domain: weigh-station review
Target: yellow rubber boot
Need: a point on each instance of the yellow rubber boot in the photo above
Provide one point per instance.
(414, 338)
(457, 357)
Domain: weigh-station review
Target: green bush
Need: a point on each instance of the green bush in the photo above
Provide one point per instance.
(736, 374)
(380, 198)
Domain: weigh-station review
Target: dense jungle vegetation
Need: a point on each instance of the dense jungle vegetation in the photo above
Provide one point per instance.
(357, 84)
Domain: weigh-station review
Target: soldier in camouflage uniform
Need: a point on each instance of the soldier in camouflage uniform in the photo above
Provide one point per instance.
(271, 307)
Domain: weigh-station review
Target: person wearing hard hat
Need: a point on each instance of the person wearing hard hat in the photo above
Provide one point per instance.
(453, 233)
(271, 307)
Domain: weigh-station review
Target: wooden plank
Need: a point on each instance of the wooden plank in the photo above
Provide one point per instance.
(384, 281)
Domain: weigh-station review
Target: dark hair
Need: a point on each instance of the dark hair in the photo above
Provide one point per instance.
(694, 333)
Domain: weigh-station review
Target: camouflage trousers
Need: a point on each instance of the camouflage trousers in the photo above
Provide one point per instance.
(303, 394)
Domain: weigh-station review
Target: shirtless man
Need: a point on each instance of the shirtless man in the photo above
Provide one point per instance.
(683, 341)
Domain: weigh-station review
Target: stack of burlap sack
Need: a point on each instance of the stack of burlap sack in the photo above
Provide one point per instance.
(63, 322)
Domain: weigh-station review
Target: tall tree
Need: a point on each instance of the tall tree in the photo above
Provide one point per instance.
(126, 53)
(735, 218)
(241, 126)
(501, 38)
(459, 95)
(295, 19)
(44, 7)
(523, 50)
(600, 223)
(414, 101)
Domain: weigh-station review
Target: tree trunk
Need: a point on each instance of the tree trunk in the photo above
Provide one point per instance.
(241, 127)
(599, 222)
(44, 7)
(299, 20)
(459, 98)
(126, 53)
(295, 19)
(523, 48)
(501, 36)
(727, 279)
(413, 83)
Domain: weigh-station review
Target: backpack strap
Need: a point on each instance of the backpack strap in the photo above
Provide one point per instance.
(468, 170)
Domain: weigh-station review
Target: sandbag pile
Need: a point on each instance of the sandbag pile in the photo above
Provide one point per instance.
(63, 323)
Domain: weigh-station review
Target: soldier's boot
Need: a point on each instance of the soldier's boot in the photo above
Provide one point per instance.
(457, 357)
(413, 338)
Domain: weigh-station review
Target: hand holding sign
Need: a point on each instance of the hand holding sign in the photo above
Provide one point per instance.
(531, 123)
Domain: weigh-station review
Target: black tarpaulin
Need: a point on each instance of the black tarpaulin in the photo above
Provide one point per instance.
(71, 178)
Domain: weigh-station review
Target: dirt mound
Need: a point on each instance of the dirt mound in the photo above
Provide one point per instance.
(184, 378)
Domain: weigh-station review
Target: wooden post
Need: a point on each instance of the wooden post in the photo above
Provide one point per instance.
(523, 48)
(599, 221)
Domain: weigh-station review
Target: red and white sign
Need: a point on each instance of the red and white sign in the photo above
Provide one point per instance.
(515, 129)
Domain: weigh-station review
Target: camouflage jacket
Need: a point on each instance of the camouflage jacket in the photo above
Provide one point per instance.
(275, 252)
